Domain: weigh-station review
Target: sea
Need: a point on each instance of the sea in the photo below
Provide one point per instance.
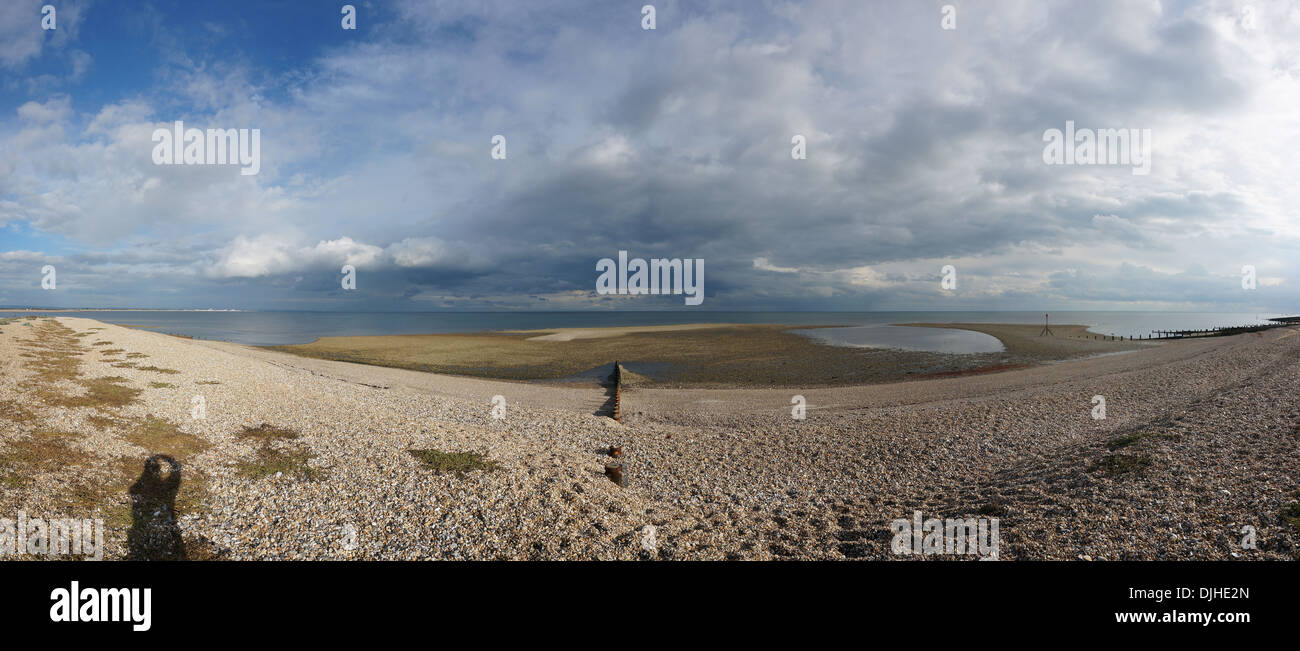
(872, 329)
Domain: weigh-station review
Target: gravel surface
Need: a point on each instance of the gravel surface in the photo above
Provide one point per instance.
(718, 474)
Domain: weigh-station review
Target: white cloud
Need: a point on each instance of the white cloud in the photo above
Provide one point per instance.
(268, 255)
(57, 109)
(251, 258)
(763, 265)
(418, 252)
(20, 31)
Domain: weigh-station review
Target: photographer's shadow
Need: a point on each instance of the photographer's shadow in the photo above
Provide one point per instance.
(155, 534)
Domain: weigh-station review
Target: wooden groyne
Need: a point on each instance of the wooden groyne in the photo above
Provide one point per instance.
(1224, 331)
(1215, 332)
(617, 377)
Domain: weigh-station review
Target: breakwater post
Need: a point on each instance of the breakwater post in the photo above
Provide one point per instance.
(617, 376)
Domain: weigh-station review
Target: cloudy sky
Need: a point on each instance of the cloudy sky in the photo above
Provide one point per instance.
(924, 149)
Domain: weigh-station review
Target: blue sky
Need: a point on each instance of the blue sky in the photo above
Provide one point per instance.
(924, 149)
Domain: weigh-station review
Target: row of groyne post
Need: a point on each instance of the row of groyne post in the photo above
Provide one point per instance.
(1190, 334)
(615, 468)
(1214, 332)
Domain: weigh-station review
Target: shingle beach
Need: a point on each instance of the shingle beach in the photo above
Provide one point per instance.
(285, 457)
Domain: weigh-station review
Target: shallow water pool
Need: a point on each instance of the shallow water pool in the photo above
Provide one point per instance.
(934, 340)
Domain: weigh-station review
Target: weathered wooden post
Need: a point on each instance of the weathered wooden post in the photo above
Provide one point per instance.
(615, 473)
(618, 392)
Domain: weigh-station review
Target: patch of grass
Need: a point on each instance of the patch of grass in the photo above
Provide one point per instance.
(101, 393)
(207, 382)
(55, 358)
(102, 343)
(1291, 515)
(1124, 441)
(13, 412)
(155, 369)
(1133, 437)
(111, 351)
(275, 454)
(1118, 464)
(1291, 512)
(161, 436)
(162, 385)
(102, 422)
(56, 367)
(270, 460)
(52, 355)
(123, 365)
(457, 462)
(135, 355)
(43, 451)
(266, 433)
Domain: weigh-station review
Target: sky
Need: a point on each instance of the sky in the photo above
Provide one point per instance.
(923, 124)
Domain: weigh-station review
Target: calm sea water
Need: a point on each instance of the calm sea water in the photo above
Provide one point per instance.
(279, 328)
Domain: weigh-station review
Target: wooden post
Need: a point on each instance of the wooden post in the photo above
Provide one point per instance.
(618, 392)
(615, 473)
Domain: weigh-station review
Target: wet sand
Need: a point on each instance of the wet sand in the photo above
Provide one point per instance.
(700, 355)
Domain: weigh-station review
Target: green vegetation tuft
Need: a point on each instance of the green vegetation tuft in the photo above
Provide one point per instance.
(276, 454)
(101, 393)
(457, 462)
(1118, 464)
(161, 436)
(1291, 513)
(271, 460)
(266, 433)
(1133, 437)
(43, 451)
(155, 369)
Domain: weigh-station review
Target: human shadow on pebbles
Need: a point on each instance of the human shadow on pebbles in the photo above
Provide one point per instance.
(155, 534)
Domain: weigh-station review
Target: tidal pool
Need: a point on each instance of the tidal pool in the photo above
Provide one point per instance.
(934, 340)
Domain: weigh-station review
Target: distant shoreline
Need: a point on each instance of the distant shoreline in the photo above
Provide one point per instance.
(58, 310)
